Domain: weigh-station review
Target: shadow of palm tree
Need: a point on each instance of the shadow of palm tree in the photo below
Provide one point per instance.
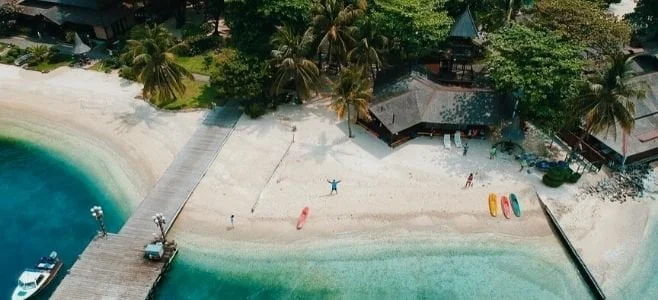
(322, 149)
(141, 113)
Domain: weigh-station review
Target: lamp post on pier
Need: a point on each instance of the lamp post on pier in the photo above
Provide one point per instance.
(97, 213)
(160, 221)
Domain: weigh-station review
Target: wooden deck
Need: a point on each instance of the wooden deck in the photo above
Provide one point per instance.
(113, 267)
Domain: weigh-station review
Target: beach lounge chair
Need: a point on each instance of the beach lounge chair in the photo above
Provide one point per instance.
(458, 139)
(446, 140)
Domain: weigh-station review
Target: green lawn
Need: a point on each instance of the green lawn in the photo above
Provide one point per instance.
(58, 61)
(193, 64)
(197, 95)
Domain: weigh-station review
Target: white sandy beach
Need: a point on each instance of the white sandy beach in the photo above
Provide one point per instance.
(385, 192)
(413, 191)
(94, 119)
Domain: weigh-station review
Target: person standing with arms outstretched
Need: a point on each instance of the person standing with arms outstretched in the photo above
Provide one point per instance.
(334, 186)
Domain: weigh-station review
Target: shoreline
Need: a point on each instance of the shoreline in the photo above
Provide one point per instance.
(392, 195)
(123, 144)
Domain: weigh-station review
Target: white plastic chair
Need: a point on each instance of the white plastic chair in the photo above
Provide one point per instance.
(446, 141)
(458, 139)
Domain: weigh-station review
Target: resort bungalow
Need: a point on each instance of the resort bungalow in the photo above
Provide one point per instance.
(442, 99)
(641, 145)
(418, 106)
(101, 19)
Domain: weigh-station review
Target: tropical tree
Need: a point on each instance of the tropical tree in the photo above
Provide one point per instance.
(369, 49)
(40, 53)
(539, 67)
(645, 18)
(214, 9)
(291, 64)
(351, 90)
(416, 28)
(152, 57)
(609, 98)
(333, 24)
(9, 12)
(583, 22)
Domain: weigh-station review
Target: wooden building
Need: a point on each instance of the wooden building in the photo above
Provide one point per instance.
(100, 19)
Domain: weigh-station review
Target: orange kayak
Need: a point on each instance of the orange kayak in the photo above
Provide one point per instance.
(504, 203)
(302, 218)
(493, 209)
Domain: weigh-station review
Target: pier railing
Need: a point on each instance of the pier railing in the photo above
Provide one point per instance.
(114, 267)
(580, 264)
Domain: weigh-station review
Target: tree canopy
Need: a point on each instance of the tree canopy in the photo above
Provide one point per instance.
(645, 18)
(415, 27)
(539, 67)
(583, 22)
(242, 77)
(253, 22)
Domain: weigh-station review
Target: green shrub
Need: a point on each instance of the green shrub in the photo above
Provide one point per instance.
(555, 176)
(254, 110)
(128, 73)
(573, 178)
(550, 181)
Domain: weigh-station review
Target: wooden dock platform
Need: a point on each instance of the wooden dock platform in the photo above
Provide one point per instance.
(113, 267)
(597, 292)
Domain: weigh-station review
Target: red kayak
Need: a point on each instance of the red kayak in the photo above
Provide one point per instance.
(302, 218)
(504, 203)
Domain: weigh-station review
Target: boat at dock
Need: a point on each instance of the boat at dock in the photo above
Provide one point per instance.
(34, 280)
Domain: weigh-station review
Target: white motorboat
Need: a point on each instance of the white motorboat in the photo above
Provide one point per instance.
(33, 280)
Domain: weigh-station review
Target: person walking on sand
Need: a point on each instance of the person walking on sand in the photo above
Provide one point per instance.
(469, 181)
(492, 152)
(523, 165)
(232, 217)
(334, 186)
(465, 148)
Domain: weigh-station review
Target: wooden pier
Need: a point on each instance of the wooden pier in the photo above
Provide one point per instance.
(597, 292)
(114, 267)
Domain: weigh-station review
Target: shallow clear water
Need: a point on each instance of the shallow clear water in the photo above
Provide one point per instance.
(410, 270)
(45, 203)
(44, 207)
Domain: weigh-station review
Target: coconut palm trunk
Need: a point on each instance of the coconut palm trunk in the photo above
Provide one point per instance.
(349, 121)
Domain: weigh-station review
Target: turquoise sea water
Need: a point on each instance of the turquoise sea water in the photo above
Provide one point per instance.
(410, 270)
(44, 206)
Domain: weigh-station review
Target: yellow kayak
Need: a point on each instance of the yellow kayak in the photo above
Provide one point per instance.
(493, 208)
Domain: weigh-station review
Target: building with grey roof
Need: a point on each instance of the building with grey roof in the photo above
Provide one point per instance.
(101, 19)
(415, 105)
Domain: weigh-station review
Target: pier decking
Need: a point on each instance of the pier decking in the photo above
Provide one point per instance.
(597, 292)
(113, 267)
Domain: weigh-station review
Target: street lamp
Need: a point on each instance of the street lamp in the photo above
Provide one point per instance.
(160, 220)
(97, 212)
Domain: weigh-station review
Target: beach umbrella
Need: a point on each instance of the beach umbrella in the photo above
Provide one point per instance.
(79, 47)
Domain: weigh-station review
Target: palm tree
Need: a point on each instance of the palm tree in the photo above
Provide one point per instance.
(608, 99)
(40, 53)
(291, 63)
(333, 22)
(152, 58)
(352, 89)
(368, 50)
